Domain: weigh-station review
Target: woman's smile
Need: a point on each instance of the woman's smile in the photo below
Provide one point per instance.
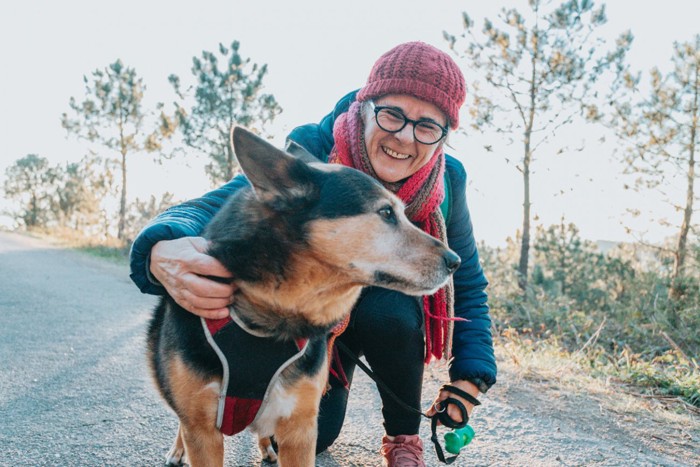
(395, 155)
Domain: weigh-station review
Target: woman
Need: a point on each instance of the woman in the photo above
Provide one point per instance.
(393, 129)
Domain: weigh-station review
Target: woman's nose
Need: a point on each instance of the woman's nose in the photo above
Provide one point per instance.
(406, 134)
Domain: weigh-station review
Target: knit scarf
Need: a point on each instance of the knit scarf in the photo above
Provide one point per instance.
(422, 193)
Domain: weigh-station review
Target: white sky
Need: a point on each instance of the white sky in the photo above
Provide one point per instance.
(316, 51)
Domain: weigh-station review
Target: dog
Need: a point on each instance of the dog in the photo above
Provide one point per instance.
(301, 241)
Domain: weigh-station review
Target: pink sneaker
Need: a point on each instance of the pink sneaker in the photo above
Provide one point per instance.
(403, 451)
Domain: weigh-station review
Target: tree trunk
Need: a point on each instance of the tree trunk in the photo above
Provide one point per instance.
(34, 216)
(122, 203)
(681, 246)
(121, 225)
(525, 239)
(527, 159)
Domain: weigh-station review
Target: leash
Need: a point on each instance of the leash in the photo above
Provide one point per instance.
(441, 407)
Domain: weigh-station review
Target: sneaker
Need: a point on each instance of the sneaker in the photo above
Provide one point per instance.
(403, 451)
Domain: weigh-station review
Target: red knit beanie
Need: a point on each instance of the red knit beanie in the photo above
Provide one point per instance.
(420, 70)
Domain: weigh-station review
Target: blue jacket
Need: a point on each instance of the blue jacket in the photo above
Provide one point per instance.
(473, 356)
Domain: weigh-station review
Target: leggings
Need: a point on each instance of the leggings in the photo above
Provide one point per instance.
(387, 328)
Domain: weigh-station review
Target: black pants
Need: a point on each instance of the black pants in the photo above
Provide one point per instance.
(387, 328)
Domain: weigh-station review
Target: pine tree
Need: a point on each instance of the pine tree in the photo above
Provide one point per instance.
(660, 133)
(29, 183)
(223, 95)
(112, 115)
(539, 69)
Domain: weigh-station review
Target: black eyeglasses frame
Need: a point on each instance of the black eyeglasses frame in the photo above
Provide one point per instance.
(406, 121)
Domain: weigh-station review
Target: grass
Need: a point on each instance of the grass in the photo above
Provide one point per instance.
(110, 249)
(670, 378)
(577, 386)
(116, 254)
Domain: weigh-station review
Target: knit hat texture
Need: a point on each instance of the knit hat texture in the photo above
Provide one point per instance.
(420, 70)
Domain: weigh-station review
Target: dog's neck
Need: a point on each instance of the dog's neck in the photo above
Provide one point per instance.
(267, 323)
(313, 303)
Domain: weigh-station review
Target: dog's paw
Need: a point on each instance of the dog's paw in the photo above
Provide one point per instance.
(176, 458)
(267, 450)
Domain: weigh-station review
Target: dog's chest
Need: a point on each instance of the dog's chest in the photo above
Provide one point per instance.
(251, 365)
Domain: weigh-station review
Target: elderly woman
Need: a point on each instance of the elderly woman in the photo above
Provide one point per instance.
(393, 129)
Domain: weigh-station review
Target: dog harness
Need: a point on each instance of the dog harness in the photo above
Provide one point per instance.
(251, 363)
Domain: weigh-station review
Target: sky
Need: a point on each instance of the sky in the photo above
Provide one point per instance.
(317, 51)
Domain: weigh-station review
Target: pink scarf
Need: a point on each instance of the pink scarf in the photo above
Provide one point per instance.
(422, 192)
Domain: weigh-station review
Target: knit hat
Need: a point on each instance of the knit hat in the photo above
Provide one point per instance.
(420, 70)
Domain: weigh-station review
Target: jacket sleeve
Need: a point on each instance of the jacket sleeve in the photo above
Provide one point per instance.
(184, 220)
(472, 346)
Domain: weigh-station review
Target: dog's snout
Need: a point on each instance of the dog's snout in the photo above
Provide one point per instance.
(452, 261)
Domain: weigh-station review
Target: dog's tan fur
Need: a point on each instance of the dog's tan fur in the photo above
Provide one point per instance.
(325, 291)
(197, 402)
(296, 435)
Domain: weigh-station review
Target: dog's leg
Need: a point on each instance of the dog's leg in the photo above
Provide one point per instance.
(266, 449)
(296, 435)
(176, 455)
(196, 402)
(204, 445)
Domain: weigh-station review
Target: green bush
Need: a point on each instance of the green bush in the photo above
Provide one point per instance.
(606, 306)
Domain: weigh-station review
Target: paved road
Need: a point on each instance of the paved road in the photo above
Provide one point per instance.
(74, 385)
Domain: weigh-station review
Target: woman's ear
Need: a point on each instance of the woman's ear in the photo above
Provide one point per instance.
(366, 112)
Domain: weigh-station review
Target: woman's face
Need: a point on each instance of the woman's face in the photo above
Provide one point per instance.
(396, 156)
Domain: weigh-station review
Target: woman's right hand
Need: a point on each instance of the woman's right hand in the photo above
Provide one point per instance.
(180, 265)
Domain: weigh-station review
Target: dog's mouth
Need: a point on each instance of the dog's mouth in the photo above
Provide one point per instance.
(424, 287)
(387, 279)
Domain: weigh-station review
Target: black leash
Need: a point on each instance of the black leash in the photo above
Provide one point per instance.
(441, 416)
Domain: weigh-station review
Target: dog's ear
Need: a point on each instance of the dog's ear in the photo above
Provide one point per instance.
(274, 174)
(298, 151)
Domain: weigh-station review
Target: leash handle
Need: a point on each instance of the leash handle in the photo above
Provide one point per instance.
(443, 417)
(461, 393)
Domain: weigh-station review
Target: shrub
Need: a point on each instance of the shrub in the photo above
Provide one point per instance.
(606, 306)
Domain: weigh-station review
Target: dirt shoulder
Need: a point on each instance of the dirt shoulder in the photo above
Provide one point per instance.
(557, 415)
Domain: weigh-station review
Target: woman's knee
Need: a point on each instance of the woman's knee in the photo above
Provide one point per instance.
(387, 312)
(325, 440)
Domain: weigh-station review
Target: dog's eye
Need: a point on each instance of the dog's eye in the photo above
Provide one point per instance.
(387, 214)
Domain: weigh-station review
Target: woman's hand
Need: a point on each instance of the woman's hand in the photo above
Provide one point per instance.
(453, 412)
(180, 265)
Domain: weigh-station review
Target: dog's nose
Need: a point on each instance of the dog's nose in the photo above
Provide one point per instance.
(452, 261)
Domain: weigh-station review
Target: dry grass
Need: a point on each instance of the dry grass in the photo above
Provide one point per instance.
(668, 419)
(109, 248)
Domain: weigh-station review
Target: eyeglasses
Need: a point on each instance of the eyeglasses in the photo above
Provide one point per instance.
(392, 120)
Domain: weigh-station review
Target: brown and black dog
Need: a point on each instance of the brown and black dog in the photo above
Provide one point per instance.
(301, 241)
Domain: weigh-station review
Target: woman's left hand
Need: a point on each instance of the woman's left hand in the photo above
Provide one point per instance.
(452, 410)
